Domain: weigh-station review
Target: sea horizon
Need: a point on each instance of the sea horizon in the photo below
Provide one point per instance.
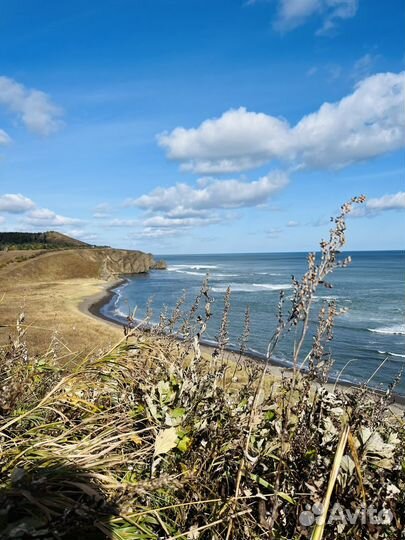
(349, 251)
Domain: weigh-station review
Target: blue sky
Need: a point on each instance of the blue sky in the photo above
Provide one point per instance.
(203, 126)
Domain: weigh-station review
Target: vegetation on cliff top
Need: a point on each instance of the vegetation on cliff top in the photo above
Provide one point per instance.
(155, 440)
(41, 240)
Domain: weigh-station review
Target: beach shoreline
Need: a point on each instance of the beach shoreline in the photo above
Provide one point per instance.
(91, 306)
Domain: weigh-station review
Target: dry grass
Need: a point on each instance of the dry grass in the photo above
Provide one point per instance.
(17, 256)
(55, 265)
(143, 443)
(53, 316)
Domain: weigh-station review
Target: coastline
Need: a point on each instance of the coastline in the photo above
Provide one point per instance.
(91, 306)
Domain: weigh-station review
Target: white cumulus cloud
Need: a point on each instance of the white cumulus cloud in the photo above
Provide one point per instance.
(177, 209)
(34, 216)
(387, 202)
(44, 217)
(163, 222)
(209, 193)
(15, 203)
(33, 107)
(365, 124)
(376, 205)
(154, 234)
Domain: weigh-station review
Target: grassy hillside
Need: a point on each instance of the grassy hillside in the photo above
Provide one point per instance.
(42, 240)
(44, 265)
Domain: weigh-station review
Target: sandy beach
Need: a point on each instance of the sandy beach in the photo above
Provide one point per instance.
(52, 314)
(49, 287)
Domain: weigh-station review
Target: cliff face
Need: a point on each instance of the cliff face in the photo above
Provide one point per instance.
(102, 263)
(128, 262)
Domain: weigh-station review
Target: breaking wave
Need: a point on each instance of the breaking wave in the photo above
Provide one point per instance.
(387, 353)
(398, 329)
(253, 287)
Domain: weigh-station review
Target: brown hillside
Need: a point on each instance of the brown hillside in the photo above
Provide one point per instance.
(99, 263)
(56, 238)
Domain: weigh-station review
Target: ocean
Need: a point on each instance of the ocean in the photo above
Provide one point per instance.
(371, 291)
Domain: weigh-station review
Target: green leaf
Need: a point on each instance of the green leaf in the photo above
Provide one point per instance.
(184, 444)
(261, 481)
(285, 497)
(270, 416)
(310, 455)
(178, 412)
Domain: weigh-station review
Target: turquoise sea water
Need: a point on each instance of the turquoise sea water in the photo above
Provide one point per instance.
(371, 290)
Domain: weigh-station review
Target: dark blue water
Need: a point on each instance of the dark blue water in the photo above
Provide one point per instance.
(371, 290)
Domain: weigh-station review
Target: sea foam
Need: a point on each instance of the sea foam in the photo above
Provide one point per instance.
(398, 329)
(191, 269)
(387, 353)
(253, 287)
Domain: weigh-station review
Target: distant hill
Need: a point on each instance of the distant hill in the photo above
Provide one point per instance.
(43, 240)
(54, 256)
(58, 264)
